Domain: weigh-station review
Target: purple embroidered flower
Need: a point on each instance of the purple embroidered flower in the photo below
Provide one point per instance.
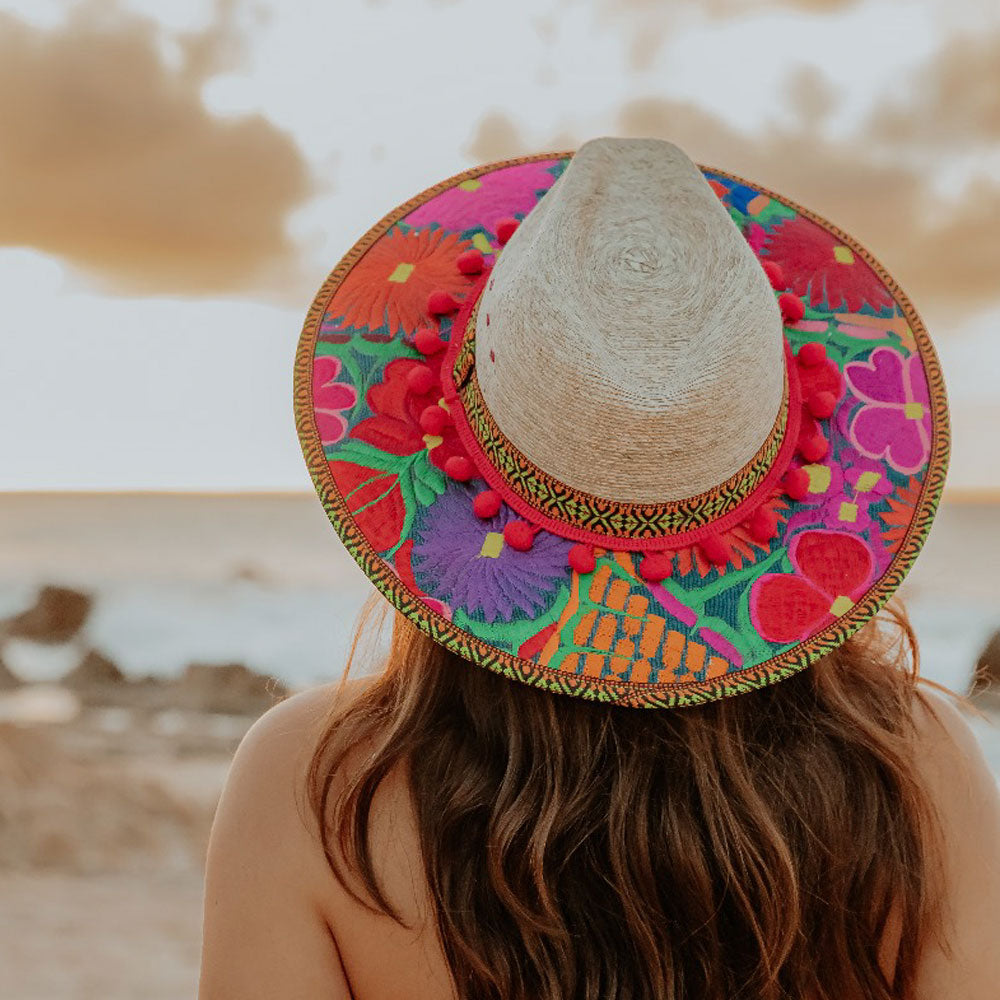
(866, 476)
(895, 422)
(483, 201)
(331, 398)
(847, 513)
(825, 480)
(464, 560)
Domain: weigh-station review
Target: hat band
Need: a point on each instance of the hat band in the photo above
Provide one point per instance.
(517, 478)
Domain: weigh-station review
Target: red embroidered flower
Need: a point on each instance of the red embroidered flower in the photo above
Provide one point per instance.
(832, 570)
(816, 263)
(395, 427)
(330, 398)
(390, 284)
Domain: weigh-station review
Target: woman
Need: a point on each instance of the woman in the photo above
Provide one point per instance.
(617, 469)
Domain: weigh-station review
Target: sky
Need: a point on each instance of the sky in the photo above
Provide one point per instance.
(176, 180)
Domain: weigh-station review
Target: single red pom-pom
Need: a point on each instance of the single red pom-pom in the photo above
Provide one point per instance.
(812, 354)
(459, 467)
(581, 558)
(519, 535)
(774, 274)
(470, 262)
(763, 524)
(427, 341)
(714, 550)
(656, 566)
(420, 379)
(439, 303)
(505, 229)
(814, 448)
(796, 484)
(433, 420)
(792, 307)
(486, 504)
(822, 404)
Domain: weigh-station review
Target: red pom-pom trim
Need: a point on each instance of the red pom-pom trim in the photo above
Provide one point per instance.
(439, 303)
(433, 420)
(505, 229)
(763, 525)
(486, 504)
(714, 550)
(427, 341)
(470, 262)
(774, 274)
(812, 354)
(822, 404)
(519, 535)
(420, 379)
(796, 484)
(459, 467)
(581, 558)
(656, 566)
(792, 307)
(814, 448)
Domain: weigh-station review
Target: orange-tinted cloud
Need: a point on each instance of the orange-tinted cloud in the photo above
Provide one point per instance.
(649, 23)
(957, 95)
(109, 159)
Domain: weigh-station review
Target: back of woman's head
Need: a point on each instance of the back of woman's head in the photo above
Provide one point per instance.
(772, 845)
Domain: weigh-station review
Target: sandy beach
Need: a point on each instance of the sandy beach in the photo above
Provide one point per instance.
(120, 709)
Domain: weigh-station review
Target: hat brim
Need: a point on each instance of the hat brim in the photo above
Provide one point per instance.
(706, 632)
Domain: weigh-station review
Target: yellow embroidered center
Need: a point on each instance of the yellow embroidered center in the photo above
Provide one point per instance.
(819, 477)
(841, 606)
(481, 243)
(914, 411)
(431, 441)
(843, 255)
(402, 272)
(492, 545)
(848, 512)
(472, 184)
(867, 481)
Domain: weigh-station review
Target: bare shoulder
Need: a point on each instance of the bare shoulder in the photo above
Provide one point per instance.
(966, 798)
(274, 754)
(265, 932)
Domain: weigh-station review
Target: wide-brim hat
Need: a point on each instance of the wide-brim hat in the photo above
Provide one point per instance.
(621, 427)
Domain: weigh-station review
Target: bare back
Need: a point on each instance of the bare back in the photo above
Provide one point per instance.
(278, 923)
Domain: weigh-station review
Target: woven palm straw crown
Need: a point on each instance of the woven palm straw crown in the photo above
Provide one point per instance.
(622, 427)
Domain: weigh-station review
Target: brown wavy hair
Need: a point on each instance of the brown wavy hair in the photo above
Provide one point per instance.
(763, 847)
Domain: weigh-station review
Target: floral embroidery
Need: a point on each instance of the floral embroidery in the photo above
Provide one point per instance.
(895, 422)
(395, 426)
(331, 398)
(483, 201)
(465, 560)
(375, 501)
(832, 570)
(817, 264)
(389, 285)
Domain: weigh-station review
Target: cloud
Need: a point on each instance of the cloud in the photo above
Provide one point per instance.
(109, 159)
(650, 22)
(958, 96)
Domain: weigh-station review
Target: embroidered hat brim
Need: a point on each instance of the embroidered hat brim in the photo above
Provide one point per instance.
(384, 347)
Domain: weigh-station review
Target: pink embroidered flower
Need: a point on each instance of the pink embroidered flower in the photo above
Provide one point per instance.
(895, 422)
(832, 570)
(816, 263)
(331, 398)
(483, 201)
